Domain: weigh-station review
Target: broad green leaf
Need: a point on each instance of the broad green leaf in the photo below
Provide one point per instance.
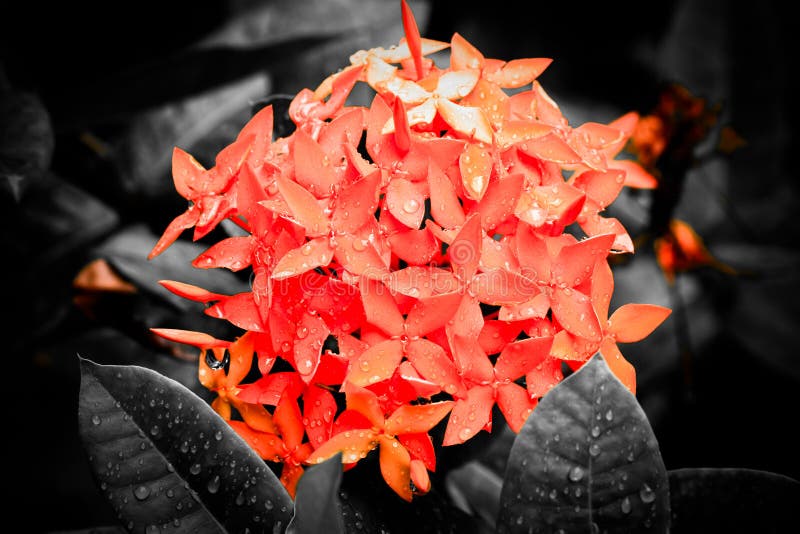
(164, 459)
(732, 500)
(317, 507)
(586, 461)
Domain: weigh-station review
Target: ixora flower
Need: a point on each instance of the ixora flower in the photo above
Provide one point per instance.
(413, 263)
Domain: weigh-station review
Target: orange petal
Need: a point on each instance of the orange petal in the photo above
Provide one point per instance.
(635, 175)
(260, 127)
(499, 287)
(417, 418)
(634, 322)
(602, 289)
(377, 363)
(575, 263)
(241, 358)
(516, 404)
(469, 415)
(353, 444)
(534, 258)
(475, 164)
(182, 222)
(621, 367)
(500, 199)
(188, 291)
(189, 337)
(289, 421)
(518, 72)
(433, 363)
(413, 39)
(359, 257)
(364, 402)
(497, 334)
(419, 476)
(290, 476)
(396, 466)
(550, 147)
(600, 186)
(234, 253)
(303, 206)
(471, 362)
(544, 377)
(186, 173)
(415, 247)
(420, 446)
(456, 84)
(463, 55)
(535, 308)
(267, 446)
(468, 319)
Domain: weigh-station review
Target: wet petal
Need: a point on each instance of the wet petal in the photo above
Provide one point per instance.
(465, 250)
(621, 367)
(518, 72)
(500, 199)
(457, 84)
(234, 253)
(418, 418)
(468, 121)
(575, 263)
(497, 334)
(469, 415)
(303, 206)
(380, 307)
(267, 446)
(635, 175)
(602, 289)
(260, 128)
(314, 253)
(359, 256)
(314, 169)
(319, 408)
(239, 309)
(463, 55)
(445, 206)
(521, 357)
(310, 335)
(188, 291)
(475, 164)
(415, 247)
(241, 354)
(535, 308)
(432, 312)
(186, 171)
(405, 202)
(516, 405)
(353, 444)
(395, 466)
(200, 340)
(420, 446)
(543, 377)
(500, 287)
(574, 311)
(471, 362)
(377, 363)
(289, 421)
(634, 322)
(433, 363)
(182, 222)
(600, 186)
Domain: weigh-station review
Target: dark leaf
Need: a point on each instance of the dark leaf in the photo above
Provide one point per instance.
(732, 500)
(475, 488)
(127, 252)
(317, 507)
(94, 530)
(586, 461)
(164, 458)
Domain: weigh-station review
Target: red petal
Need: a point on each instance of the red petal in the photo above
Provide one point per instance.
(416, 419)
(544, 108)
(635, 175)
(311, 334)
(339, 303)
(535, 308)
(430, 313)
(197, 339)
(595, 225)
(342, 85)
(520, 357)
(412, 35)
(420, 446)
(469, 415)
(186, 173)
(270, 388)
(188, 291)
(471, 362)
(500, 199)
(356, 203)
(415, 247)
(422, 282)
(314, 169)
(491, 100)
(621, 367)
(445, 206)
(500, 287)
(468, 319)
(407, 385)
(359, 256)
(345, 129)
(319, 408)
(534, 258)
(240, 310)
(465, 250)
(634, 322)
(303, 206)
(314, 253)
(290, 476)
(405, 202)
(497, 334)
(544, 377)
(377, 363)
(380, 307)
(431, 361)
(332, 369)
(289, 421)
(597, 136)
(260, 127)
(234, 253)
(575, 263)
(402, 132)
(475, 164)
(182, 222)
(227, 164)
(256, 416)
(602, 289)
(395, 466)
(516, 405)
(550, 147)
(574, 311)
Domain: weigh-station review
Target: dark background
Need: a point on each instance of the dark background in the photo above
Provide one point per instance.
(94, 96)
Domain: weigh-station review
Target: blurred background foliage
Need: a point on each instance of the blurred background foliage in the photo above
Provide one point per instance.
(93, 97)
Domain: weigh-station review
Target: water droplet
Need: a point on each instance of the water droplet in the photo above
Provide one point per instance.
(595, 431)
(152, 529)
(625, 506)
(170, 493)
(195, 469)
(302, 332)
(411, 205)
(141, 492)
(363, 365)
(647, 494)
(213, 484)
(609, 415)
(553, 494)
(594, 528)
(155, 430)
(594, 449)
(218, 435)
(576, 473)
(464, 433)
(96, 420)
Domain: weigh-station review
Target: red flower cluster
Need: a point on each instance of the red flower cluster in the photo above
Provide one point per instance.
(426, 236)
